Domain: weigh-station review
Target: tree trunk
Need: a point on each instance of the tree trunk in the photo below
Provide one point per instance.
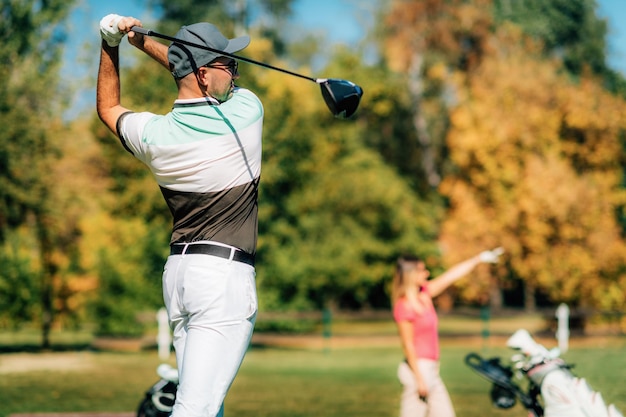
(496, 301)
(48, 272)
(419, 121)
(530, 303)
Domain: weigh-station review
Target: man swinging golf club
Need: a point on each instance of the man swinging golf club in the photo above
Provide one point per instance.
(206, 158)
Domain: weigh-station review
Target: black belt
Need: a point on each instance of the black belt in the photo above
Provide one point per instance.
(215, 250)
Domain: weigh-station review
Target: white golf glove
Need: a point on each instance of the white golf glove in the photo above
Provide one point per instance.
(491, 256)
(109, 29)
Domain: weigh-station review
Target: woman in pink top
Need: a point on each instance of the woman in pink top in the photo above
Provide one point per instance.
(424, 393)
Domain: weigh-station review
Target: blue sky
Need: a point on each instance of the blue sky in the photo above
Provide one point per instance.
(615, 12)
(321, 16)
(339, 21)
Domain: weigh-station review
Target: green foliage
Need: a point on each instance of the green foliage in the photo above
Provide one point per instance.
(116, 312)
(341, 232)
(333, 215)
(569, 29)
(120, 299)
(285, 326)
(458, 92)
(30, 40)
(128, 264)
(19, 284)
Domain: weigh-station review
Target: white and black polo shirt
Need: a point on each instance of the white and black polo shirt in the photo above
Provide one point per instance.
(206, 158)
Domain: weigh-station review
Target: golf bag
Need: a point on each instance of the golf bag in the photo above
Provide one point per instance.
(159, 399)
(551, 388)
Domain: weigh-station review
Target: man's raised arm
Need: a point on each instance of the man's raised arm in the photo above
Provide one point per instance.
(113, 28)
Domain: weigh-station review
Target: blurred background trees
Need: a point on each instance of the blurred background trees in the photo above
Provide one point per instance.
(36, 239)
(483, 123)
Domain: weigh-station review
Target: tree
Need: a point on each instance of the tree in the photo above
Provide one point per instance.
(567, 29)
(538, 171)
(570, 31)
(426, 41)
(19, 284)
(31, 40)
(333, 215)
(453, 63)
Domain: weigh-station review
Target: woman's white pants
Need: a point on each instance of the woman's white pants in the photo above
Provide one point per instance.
(438, 403)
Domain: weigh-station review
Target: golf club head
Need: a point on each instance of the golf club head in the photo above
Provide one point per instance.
(341, 96)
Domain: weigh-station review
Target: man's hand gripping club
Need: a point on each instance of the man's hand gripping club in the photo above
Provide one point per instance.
(114, 27)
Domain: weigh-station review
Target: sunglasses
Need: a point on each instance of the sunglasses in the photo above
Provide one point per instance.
(232, 67)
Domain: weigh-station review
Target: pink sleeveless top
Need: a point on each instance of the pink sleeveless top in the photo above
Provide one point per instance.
(425, 328)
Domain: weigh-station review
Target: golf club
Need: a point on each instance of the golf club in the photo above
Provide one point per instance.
(341, 96)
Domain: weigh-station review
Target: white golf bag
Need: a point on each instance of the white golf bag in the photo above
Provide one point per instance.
(549, 378)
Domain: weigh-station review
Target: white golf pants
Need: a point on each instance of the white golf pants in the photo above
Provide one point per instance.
(212, 306)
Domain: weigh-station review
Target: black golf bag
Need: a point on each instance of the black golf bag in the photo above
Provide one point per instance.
(551, 388)
(159, 399)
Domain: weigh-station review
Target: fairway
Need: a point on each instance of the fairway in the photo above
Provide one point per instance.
(329, 382)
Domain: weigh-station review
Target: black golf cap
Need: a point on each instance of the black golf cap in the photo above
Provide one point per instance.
(185, 59)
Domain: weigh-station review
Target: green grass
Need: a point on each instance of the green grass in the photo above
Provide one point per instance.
(282, 382)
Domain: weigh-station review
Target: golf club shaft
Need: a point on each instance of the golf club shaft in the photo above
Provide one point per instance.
(149, 32)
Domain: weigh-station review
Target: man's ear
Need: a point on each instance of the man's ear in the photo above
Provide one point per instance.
(202, 76)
